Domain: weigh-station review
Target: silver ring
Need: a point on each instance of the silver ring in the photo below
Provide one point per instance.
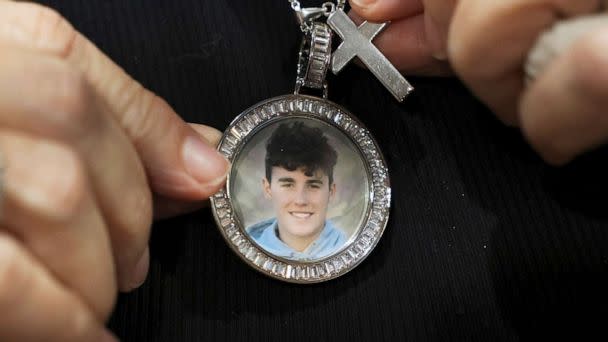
(559, 38)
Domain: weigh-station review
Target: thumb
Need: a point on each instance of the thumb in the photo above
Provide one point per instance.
(210, 134)
(165, 207)
(179, 162)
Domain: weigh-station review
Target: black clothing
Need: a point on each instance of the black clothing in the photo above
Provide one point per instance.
(485, 241)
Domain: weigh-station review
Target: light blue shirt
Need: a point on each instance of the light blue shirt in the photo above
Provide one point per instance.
(266, 234)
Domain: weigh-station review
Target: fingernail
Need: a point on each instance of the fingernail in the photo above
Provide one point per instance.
(107, 336)
(141, 269)
(435, 39)
(440, 55)
(363, 3)
(203, 162)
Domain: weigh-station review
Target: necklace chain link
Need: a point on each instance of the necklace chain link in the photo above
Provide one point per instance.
(340, 4)
(307, 15)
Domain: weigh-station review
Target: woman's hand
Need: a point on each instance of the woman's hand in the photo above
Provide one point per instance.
(85, 151)
(487, 43)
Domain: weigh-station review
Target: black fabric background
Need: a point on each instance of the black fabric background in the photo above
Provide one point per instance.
(485, 242)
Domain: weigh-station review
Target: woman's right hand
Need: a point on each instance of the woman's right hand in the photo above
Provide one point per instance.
(487, 42)
(85, 152)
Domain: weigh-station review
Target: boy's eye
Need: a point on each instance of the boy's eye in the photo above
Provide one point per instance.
(286, 185)
(315, 186)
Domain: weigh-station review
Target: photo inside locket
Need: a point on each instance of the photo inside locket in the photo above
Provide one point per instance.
(300, 189)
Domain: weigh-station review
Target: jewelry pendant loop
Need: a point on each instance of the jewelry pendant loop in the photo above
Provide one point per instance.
(329, 7)
(314, 58)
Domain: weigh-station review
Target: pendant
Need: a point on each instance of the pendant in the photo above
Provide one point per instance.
(308, 195)
(358, 43)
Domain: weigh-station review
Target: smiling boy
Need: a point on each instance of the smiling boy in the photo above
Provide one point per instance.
(299, 182)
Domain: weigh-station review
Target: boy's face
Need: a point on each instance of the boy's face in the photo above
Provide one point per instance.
(300, 201)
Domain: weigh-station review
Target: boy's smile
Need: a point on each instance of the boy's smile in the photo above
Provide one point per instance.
(300, 202)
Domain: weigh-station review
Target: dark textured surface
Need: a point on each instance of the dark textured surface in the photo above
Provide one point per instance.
(485, 242)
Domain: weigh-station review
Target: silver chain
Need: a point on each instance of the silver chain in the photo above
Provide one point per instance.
(295, 4)
(307, 15)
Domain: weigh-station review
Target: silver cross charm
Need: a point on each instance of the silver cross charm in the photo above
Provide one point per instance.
(357, 42)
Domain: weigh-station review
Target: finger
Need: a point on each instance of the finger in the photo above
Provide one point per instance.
(564, 111)
(66, 109)
(35, 307)
(178, 163)
(405, 44)
(384, 10)
(437, 18)
(168, 207)
(211, 135)
(489, 40)
(555, 41)
(48, 204)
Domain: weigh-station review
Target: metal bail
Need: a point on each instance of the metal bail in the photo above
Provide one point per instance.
(314, 58)
(307, 15)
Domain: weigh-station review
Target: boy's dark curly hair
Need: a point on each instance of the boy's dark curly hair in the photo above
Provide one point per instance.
(295, 146)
